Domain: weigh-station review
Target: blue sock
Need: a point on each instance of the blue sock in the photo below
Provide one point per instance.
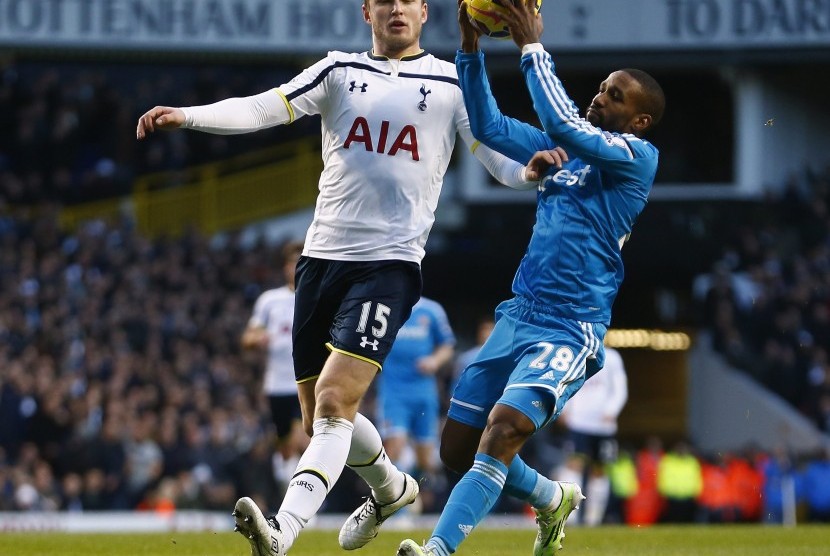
(525, 483)
(469, 502)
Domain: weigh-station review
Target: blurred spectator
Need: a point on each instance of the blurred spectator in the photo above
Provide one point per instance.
(214, 460)
(717, 502)
(161, 498)
(647, 505)
(778, 494)
(679, 481)
(254, 473)
(591, 419)
(815, 485)
(818, 377)
(71, 493)
(747, 483)
(143, 458)
(94, 496)
(622, 476)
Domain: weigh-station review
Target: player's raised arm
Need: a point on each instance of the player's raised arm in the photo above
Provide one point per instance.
(628, 103)
(226, 117)
(513, 138)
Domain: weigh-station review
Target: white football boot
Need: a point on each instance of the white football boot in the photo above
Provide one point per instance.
(364, 523)
(263, 533)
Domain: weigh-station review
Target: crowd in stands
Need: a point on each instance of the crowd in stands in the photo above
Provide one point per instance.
(768, 305)
(122, 375)
(69, 128)
(123, 386)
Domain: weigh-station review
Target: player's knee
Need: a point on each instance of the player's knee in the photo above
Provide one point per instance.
(459, 443)
(331, 402)
(329, 406)
(503, 436)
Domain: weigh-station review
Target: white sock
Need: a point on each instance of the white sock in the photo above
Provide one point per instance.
(317, 471)
(556, 499)
(598, 490)
(368, 459)
(438, 547)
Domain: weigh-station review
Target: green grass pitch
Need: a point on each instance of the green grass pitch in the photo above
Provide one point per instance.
(604, 541)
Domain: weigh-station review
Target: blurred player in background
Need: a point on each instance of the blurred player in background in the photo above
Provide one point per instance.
(390, 117)
(483, 329)
(269, 329)
(549, 337)
(408, 397)
(591, 420)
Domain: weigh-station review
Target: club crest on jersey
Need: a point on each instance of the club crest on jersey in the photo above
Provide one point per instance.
(362, 87)
(422, 106)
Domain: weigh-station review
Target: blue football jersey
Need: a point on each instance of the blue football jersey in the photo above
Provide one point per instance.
(426, 329)
(585, 211)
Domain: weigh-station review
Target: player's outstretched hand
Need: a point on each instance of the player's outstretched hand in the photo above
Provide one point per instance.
(469, 34)
(542, 161)
(524, 23)
(159, 117)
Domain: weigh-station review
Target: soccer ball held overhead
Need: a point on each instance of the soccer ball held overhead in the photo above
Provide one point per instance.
(487, 17)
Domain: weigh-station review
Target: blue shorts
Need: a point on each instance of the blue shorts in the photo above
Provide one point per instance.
(353, 307)
(533, 361)
(415, 417)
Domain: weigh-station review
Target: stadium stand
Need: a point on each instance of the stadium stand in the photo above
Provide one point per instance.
(767, 300)
(67, 126)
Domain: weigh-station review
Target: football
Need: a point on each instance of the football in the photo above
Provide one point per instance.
(487, 17)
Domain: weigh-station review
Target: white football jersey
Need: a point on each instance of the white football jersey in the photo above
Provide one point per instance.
(274, 311)
(595, 407)
(388, 127)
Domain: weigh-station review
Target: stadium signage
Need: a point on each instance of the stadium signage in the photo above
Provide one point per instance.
(748, 18)
(122, 21)
(319, 25)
